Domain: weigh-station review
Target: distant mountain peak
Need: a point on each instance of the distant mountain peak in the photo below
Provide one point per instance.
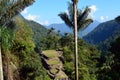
(64, 28)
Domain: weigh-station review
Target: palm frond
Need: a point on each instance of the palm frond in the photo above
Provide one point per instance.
(66, 19)
(84, 24)
(70, 10)
(83, 15)
(12, 8)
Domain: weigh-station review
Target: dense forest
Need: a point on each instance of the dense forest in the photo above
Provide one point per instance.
(32, 52)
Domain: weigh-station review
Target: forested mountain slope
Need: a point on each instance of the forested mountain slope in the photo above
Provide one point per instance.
(39, 31)
(104, 34)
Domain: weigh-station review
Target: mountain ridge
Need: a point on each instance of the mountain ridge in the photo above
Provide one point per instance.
(39, 31)
(65, 29)
(104, 34)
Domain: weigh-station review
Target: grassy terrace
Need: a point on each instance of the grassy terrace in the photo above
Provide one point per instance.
(53, 61)
(53, 71)
(50, 53)
(60, 75)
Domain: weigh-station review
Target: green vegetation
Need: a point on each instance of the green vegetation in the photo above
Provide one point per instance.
(88, 59)
(109, 46)
(18, 53)
(39, 32)
(23, 56)
(93, 65)
(109, 68)
(21, 41)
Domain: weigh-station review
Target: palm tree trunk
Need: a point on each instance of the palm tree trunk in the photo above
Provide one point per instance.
(75, 38)
(1, 67)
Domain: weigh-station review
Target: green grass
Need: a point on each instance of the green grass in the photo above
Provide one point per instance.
(53, 71)
(61, 74)
(53, 62)
(50, 53)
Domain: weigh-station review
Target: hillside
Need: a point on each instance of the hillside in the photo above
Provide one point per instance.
(39, 31)
(20, 61)
(104, 34)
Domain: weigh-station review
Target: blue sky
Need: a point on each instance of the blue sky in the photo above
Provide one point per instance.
(46, 11)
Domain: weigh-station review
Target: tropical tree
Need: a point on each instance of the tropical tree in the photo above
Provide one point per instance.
(51, 30)
(8, 9)
(66, 40)
(77, 20)
(51, 41)
(58, 32)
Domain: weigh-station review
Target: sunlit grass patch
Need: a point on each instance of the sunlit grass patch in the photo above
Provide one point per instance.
(61, 75)
(53, 71)
(53, 61)
(50, 53)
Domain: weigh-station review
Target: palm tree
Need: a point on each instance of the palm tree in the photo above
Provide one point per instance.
(77, 20)
(51, 30)
(75, 38)
(83, 19)
(8, 9)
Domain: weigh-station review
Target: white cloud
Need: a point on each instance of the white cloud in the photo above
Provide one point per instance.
(93, 8)
(104, 18)
(36, 18)
(44, 22)
(25, 11)
(31, 17)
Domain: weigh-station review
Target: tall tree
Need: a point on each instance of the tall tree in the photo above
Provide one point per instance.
(75, 38)
(77, 20)
(8, 9)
